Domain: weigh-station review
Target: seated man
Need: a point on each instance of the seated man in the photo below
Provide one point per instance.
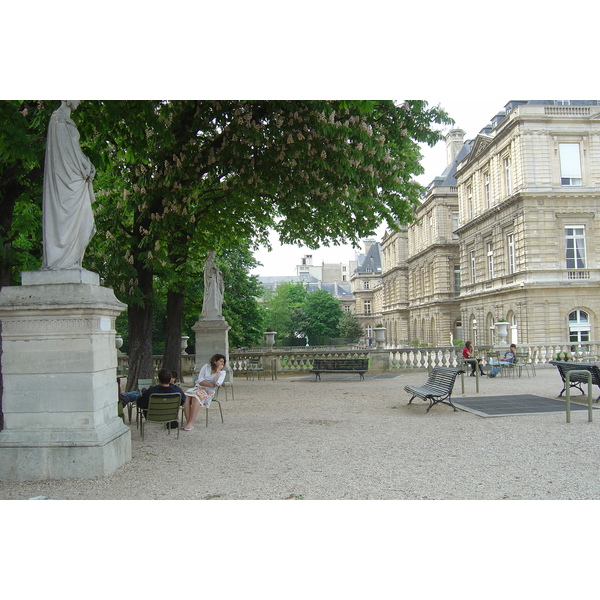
(510, 356)
(164, 387)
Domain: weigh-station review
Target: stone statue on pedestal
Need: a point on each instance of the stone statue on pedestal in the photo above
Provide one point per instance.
(212, 305)
(68, 220)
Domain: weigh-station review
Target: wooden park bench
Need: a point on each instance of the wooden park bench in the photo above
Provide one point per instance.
(340, 365)
(576, 380)
(438, 387)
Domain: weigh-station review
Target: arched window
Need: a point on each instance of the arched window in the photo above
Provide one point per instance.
(579, 326)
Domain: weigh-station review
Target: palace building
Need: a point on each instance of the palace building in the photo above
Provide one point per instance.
(509, 231)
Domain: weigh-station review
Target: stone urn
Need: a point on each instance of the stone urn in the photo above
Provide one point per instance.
(380, 336)
(118, 341)
(184, 343)
(502, 332)
(270, 339)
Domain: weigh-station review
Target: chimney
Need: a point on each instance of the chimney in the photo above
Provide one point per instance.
(454, 142)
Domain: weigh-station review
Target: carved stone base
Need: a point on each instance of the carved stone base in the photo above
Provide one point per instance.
(59, 371)
(211, 338)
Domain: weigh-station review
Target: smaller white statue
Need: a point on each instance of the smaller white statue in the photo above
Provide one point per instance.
(212, 305)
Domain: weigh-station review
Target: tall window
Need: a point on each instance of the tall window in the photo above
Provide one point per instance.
(367, 307)
(473, 266)
(507, 178)
(575, 246)
(490, 259)
(510, 248)
(486, 189)
(366, 285)
(570, 164)
(455, 224)
(579, 326)
(470, 202)
(457, 279)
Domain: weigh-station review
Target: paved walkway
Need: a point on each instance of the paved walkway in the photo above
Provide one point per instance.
(341, 438)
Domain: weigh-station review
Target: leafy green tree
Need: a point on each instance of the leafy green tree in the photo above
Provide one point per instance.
(283, 309)
(23, 127)
(179, 178)
(321, 315)
(350, 326)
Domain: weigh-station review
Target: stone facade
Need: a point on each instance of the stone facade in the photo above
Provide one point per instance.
(508, 231)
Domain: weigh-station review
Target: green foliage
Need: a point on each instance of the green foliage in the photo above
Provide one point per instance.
(22, 143)
(283, 309)
(350, 326)
(321, 314)
(240, 306)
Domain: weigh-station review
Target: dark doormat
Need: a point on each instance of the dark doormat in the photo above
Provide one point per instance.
(504, 406)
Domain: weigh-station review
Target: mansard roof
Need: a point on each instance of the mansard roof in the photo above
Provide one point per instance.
(372, 262)
(447, 179)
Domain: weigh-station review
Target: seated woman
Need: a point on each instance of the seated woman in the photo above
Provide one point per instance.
(469, 356)
(510, 356)
(211, 376)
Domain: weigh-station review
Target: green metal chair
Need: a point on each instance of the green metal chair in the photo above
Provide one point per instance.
(162, 408)
(215, 399)
(254, 366)
(228, 385)
(142, 384)
(526, 360)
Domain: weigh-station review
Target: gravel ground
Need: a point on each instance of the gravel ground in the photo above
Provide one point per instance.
(348, 439)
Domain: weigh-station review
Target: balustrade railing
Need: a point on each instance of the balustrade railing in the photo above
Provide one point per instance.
(300, 360)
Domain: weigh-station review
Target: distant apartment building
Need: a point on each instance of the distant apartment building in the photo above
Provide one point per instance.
(365, 280)
(331, 277)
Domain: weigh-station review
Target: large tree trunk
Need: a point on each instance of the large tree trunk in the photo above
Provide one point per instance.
(140, 333)
(172, 355)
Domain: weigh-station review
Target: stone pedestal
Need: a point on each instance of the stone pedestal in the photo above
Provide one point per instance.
(211, 337)
(59, 370)
(380, 360)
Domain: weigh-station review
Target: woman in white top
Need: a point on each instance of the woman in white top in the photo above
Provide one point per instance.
(211, 377)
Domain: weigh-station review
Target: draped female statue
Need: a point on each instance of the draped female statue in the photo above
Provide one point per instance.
(68, 220)
(212, 304)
